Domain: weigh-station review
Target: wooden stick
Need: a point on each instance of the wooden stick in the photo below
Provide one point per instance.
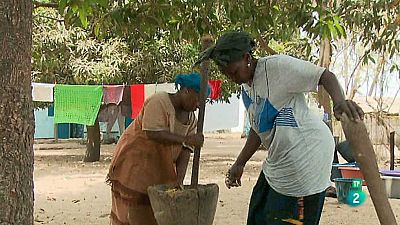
(391, 151)
(356, 134)
(206, 42)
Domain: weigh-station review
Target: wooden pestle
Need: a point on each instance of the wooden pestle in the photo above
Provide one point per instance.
(356, 133)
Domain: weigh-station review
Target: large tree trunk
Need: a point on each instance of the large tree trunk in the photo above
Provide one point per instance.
(93, 143)
(16, 110)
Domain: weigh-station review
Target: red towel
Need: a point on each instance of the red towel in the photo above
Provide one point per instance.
(216, 90)
(137, 99)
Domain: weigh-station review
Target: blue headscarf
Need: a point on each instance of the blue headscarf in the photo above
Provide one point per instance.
(192, 80)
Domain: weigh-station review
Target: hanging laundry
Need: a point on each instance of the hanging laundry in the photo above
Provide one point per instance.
(126, 106)
(112, 94)
(216, 89)
(166, 87)
(137, 99)
(109, 113)
(77, 103)
(42, 92)
(149, 90)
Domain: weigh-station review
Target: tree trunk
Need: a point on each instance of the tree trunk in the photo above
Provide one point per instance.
(346, 68)
(16, 110)
(323, 96)
(356, 84)
(376, 77)
(93, 143)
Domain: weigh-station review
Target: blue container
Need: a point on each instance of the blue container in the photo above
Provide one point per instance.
(76, 130)
(63, 130)
(345, 185)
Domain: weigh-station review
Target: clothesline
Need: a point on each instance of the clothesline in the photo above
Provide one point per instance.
(81, 103)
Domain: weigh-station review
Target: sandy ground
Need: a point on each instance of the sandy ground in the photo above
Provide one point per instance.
(68, 191)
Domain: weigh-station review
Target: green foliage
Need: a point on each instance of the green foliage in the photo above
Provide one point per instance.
(75, 56)
(50, 51)
(74, 9)
(160, 38)
(375, 23)
(187, 21)
(178, 20)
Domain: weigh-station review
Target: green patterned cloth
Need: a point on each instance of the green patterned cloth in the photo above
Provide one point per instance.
(77, 103)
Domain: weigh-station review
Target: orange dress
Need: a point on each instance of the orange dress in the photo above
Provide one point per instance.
(139, 162)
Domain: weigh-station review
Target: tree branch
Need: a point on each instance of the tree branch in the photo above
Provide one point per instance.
(394, 4)
(51, 18)
(37, 4)
(264, 45)
(355, 68)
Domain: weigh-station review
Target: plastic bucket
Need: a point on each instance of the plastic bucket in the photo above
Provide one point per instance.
(352, 172)
(345, 185)
(391, 173)
(392, 184)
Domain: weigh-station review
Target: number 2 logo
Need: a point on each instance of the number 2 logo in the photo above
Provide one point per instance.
(356, 198)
